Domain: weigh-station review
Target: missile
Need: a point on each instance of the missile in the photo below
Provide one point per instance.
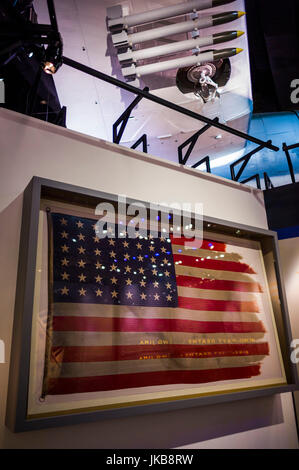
(124, 22)
(123, 39)
(172, 48)
(132, 72)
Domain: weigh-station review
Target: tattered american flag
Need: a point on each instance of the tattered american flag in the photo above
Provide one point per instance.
(127, 313)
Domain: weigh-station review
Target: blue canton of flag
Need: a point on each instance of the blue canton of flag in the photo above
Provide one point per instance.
(121, 271)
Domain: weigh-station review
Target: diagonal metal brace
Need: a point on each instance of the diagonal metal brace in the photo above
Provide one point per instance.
(245, 160)
(291, 147)
(52, 14)
(143, 140)
(205, 160)
(157, 99)
(191, 142)
(254, 177)
(123, 119)
(61, 117)
(268, 182)
(286, 149)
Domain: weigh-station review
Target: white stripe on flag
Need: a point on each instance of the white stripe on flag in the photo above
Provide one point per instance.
(211, 274)
(127, 311)
(215, 294)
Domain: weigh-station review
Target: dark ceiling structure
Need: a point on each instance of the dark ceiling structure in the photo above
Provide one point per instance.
(273, 35)
(28, 90)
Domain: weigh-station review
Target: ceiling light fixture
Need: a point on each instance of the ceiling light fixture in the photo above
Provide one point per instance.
(53, 56)
(49, 68)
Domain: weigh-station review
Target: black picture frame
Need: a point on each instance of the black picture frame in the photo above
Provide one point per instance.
(16, 416)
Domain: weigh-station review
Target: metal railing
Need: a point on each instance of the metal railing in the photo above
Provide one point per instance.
(168, 104)
(191, 141)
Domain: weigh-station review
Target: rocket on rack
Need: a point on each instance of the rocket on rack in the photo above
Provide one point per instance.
(116, 20)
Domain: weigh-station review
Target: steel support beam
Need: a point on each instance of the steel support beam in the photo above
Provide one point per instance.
(142, 140)
(292, 147)
(191, 142)
(61, 117)
(286, 149)
(254, 177)
(268, 182)
(205, 160)
(123, 120)
(52, 14)
(245, 160)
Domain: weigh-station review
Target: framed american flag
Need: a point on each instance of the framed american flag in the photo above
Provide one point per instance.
(135, 321)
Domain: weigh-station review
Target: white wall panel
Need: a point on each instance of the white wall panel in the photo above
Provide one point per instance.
(31, 147)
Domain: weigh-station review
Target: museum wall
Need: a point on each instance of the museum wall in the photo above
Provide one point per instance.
(289, 257)
(283, 216)
(30, 147)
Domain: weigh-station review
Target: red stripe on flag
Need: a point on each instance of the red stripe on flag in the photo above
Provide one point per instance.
(204, 244)
(158, 351)
(152, 325)
(216, 264)
(217, 284)
(218, 305)
(61, 386)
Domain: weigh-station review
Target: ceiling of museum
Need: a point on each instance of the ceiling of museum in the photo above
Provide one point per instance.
(93, 105)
